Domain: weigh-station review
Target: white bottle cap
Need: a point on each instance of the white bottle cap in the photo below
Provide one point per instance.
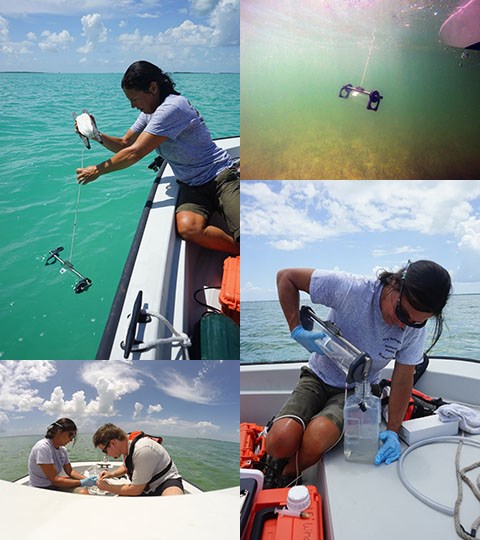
(298, 498)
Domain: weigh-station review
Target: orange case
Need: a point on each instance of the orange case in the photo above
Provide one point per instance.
(230, 292)
(252, 447)
(286, 527)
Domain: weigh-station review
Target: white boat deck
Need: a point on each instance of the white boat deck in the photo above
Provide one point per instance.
(366, 502)
(192, 516)
(35, 514)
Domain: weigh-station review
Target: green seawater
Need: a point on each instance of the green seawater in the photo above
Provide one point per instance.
(213, 465)
(294, 62)
(265, 336)
(41, 317)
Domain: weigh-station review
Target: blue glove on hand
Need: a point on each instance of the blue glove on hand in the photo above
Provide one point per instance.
(88, 482)
(307, 338)
(390, 450)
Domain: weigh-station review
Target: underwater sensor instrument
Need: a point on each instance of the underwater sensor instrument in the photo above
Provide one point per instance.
(374, 96)
(86, 128)
(353, 362)
(83, 284)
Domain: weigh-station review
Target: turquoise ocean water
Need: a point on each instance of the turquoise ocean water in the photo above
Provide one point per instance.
(294, 62)
(40, 316)
(214, 464)
(265, 336)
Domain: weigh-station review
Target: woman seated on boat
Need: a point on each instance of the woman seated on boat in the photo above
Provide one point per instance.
(146, 462)
(169, 124)
(386, 318)
(48, 458)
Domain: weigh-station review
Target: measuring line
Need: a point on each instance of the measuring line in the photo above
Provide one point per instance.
(76, 215)
(368, 58)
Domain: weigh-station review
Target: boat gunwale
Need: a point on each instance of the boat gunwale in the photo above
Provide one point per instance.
(109, 333)
(293, 362)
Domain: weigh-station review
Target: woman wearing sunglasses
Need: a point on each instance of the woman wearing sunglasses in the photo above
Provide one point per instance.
(383, 317)
(48, 458)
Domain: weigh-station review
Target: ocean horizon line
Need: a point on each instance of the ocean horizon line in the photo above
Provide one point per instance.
(116, 72)
(306, 299)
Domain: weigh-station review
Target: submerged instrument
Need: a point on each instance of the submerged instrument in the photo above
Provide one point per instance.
(374, 96)
(353, 362)
(83, 284)
(86, 128)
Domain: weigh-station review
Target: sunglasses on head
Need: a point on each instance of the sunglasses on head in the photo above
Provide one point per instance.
(401, 314)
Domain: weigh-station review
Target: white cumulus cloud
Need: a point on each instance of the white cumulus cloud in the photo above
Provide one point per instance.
(54, 42)
(137, 409)
(225, 20)
(205, 428)
(154, 408)
(16, 378)
(94, 30)
(202, 7)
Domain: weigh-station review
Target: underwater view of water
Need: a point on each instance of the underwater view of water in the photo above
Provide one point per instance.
(213, 465)
(265, 336)
(294, 62)
(41, 317)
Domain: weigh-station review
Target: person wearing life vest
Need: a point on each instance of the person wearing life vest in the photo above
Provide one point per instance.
(146, 462)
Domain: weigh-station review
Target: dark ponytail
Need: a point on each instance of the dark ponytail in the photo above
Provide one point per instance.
(140, 74)
(59, 426)
(427, 287)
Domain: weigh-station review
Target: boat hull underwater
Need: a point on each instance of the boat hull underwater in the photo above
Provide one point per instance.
(364, 501)
(161, 275)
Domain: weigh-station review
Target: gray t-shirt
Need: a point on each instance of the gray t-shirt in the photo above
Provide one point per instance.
(194, 157)
(355, 309)
(44, 453)
(150, 458)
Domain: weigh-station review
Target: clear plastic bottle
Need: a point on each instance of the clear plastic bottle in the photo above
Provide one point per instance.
(361, 416)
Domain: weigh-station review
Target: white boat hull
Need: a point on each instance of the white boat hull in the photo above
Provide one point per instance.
(32, 514)
(168, 271)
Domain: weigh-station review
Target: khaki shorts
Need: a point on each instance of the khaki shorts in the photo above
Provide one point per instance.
(312, 397)
(221, 194)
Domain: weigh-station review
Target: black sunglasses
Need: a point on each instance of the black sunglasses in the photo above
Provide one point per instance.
(106, 446)
(402, 315)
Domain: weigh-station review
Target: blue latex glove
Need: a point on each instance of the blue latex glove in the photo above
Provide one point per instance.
(89, 482)
(307, 338)
(390, 450)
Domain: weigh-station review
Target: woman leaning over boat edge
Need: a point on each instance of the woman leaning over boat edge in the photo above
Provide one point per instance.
(386, 318)
(49, 457)
(208, 178)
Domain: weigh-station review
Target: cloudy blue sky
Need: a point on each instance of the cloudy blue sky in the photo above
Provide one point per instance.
(185, 399)
(358, 227)
(108, 35)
